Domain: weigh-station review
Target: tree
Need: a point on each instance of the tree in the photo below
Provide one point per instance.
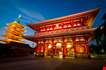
(100, 36)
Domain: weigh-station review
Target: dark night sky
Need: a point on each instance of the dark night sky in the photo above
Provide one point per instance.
(39, 10)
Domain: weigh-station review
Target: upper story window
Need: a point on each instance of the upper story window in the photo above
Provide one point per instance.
(80, 39)
(77, 39)
(42, 29)
(51, 28)
(48, 29)
(69, 25)
(57, 26)
(65, 26)
(75, 25)
(78, 24)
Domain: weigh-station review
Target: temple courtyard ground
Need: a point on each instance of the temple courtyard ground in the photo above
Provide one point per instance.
(36, 63)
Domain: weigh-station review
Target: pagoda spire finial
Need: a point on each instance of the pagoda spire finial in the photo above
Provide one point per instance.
(18, 19)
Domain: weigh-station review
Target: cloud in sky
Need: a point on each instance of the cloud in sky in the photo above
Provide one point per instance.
(31, 14)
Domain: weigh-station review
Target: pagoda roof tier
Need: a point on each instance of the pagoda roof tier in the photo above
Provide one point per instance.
(91, 14)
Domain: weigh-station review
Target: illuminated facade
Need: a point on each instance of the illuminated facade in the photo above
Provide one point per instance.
(14, 32)
(66, 36)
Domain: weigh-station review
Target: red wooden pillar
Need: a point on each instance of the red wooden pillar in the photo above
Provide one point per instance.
(64, 48)
(74, 46)
(64, 51)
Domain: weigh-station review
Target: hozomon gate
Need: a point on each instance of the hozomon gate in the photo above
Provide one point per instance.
(65, 36)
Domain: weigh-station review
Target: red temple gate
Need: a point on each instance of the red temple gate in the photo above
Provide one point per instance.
(66, 36)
